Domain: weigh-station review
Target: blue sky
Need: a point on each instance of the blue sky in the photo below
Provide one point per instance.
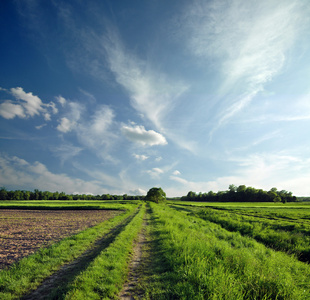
(121, 96)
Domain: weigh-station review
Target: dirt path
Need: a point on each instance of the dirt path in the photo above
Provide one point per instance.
(137, 266)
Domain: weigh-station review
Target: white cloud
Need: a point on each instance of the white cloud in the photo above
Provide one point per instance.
(40, 126)
(142, 136)
(70, 121)
(52, 105)
(47, 117)
(19, 174)
(9, 110)
(96, 132)
(137, 192)
(218, 184)
(61, 100)
(32, 104)
(26, 105)
(141, 156)
(65, 125)
(176, 173)
(155, 172)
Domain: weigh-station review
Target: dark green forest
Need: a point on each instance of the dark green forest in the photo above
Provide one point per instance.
(233, 194)
(45, 195)
(242, 194)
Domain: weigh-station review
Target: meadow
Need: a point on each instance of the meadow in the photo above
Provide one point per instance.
(191, 250)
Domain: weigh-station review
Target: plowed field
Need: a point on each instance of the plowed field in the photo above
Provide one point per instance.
(22, 232)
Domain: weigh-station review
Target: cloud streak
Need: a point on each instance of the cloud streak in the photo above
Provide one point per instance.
(152, 93)
(248, 40)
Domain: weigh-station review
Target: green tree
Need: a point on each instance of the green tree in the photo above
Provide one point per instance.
(3, 194)
(232, 188)
(156, 195)
(191, 196)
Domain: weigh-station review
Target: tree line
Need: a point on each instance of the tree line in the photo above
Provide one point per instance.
(45, 195)
(242, 194)
(233, 194)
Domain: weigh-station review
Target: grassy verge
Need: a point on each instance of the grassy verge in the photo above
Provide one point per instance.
(281, 234)
(105, 276)
(29, 272)
(200, 260)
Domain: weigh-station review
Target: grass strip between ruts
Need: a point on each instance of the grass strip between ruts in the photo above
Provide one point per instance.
(30, 272)
(204, 261)
(105, 276)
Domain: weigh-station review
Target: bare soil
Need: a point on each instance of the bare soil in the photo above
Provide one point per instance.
(57, 285)
(22, 232)
(136, 267)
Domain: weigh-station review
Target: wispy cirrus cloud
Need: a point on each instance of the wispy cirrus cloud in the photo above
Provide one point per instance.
(152, 93)
(66, 151)
(248, 41)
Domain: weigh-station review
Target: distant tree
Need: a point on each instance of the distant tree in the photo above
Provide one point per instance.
(191, 196)
(156, 195)
(17, 195)
(3, 194)
(27, 195)
(274, 190)
(232, 188)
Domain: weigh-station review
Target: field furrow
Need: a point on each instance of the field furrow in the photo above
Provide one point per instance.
(22, 232)
(56, 285)
(30, 272)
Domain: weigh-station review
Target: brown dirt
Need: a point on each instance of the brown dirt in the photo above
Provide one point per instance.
(130, 290)
(56, 285)
(22, 232)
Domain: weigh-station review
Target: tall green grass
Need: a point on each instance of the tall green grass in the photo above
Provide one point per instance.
(204, 261)
(279, 233)
(105, 276)
(29, 272)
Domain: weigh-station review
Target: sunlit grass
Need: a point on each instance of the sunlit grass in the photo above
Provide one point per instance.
(204, 261)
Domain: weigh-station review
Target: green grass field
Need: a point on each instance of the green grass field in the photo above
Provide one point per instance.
(191, 251)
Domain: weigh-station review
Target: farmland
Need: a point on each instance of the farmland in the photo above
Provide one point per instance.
(180, 250)
(22, 232)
